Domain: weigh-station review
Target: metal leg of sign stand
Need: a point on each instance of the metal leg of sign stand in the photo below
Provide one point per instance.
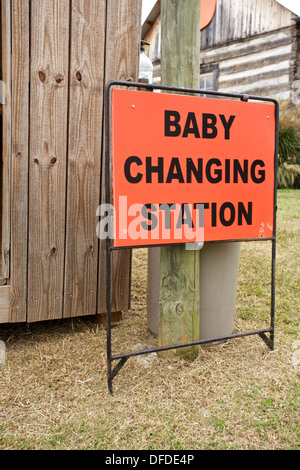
(122, 358)
(262, 333)
(111, 373)
(108, 317)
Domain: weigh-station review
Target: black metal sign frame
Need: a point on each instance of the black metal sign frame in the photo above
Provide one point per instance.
(267, 334)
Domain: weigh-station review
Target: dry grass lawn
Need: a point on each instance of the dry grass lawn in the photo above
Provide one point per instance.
(236, 395)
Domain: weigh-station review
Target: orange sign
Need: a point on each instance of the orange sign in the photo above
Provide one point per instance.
(208, 8)
(191, 169)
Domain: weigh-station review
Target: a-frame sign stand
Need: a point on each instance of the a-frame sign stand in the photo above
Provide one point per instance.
(267, 169)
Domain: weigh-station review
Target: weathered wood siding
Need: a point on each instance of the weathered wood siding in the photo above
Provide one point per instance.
(57, 55)
(19, 160)
(6, 138)
(84, 155)
(233, 20)
(49, 75)
(240, 19)
(121, 63)
(296, 71)
(252, 44)
(261, 65)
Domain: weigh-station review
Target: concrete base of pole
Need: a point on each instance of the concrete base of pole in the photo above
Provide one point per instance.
(219, 268)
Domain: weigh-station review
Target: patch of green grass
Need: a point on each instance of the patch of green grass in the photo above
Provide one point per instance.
(237, 395)
(254, 288)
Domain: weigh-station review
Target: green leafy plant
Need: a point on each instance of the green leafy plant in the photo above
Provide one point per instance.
(288, 157)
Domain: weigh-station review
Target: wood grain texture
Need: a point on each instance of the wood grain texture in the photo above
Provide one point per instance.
(6, 137)
(123, 31)
(19, 169)
(179, 317)
(5, 301)
(261, 65)
(238, 19)
(180, 43)
(84, 155)
(48, 150)
(53, 152)
(179, 298)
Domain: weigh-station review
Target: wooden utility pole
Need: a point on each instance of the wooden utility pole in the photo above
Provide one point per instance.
(179, 268)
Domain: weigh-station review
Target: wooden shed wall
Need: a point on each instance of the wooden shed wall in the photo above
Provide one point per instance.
(241, 19)
(62, 53)
(262, 65)
(253, 46)
(233, 20)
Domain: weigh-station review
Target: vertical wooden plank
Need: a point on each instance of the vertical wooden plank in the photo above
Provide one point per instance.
(84, 159)
(5, 302)
(48, 150)
(19, 169)
(123, 35)
(6, 137)
(179, 300)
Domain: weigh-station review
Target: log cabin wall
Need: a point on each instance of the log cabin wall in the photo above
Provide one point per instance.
(242, 19)
(57, 56)
(250, 46)
(253, 44)
(261, 65)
